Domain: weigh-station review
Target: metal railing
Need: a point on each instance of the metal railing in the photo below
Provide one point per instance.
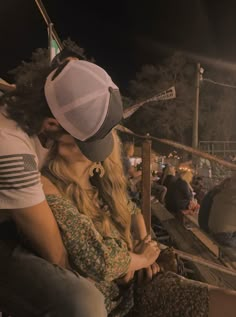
(221, 148)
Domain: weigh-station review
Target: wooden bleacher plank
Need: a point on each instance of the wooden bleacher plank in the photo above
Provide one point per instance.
(211, 245)
(227, 254)
(187, 242)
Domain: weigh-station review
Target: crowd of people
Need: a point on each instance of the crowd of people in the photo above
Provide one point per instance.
(172, 189)
(184, 193)
(69, 233)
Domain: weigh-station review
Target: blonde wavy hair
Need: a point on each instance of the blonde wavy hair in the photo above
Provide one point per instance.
(128, 148)
(111, 189)
(186, 175)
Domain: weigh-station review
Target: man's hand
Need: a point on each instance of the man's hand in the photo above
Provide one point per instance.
(126, 278)
(146, 275)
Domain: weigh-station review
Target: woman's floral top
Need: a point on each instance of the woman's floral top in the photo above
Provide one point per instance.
(104, 259)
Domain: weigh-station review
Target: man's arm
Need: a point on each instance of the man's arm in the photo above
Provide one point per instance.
(39, 226)
(21, 194)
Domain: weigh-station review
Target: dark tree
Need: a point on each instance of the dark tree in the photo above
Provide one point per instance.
(171, 118)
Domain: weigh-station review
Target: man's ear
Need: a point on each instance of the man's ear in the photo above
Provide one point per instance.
(50, 124)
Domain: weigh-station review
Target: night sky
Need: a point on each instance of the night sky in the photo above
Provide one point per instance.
(121, 35)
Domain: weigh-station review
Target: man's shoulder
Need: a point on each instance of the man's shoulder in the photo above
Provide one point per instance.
(20, 184)
(5, 121)
(9, 126)
(12, 138)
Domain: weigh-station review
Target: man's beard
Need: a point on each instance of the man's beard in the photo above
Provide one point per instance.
(48, 138)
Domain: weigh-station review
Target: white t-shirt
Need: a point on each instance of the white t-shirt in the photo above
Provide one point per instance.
(21, 158)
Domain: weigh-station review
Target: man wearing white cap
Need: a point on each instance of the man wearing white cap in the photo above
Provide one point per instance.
(77, 98)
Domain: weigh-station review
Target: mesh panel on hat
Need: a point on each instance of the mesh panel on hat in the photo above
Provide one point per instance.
(100, 73)
(88, 117)
(71, 92)
(80, 96)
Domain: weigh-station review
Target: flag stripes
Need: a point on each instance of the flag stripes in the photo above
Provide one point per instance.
(18, 171)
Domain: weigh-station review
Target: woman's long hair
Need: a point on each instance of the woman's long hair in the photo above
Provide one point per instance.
(128, 149)
(111, 189)
(186, 175)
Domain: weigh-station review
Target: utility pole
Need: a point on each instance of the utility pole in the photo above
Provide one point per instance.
(196, 109)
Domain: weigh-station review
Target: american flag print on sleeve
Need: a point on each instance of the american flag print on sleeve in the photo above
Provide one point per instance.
(18, 171)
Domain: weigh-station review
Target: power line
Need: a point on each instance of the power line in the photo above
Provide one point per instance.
(218, 83)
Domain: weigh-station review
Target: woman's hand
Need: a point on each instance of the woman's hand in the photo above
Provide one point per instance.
(193, 208)
(144, 275)
(193, 205)
(148, 249)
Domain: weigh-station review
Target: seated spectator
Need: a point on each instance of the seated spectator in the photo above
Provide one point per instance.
(222, 219)
(168, 176)
(158, 191)
(129, 170)
(133, 175)
(206, 205)
(92, 210)
(181, 198)
(198, 188)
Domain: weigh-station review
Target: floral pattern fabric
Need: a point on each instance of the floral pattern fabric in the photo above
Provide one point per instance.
(171, 295)
(105, 259)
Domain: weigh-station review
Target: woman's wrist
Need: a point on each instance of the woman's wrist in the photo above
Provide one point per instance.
(137, 242)
(138, 261)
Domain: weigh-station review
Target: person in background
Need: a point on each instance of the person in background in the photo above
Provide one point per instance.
(37, 280)
(181, 197)
(198, 188)
(168, 176)
(222, 216)
(206, 205)
(129, 170)
(133, 175)
(88, 197)
(158, 191)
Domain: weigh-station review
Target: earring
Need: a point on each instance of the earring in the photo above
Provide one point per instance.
(97, 168)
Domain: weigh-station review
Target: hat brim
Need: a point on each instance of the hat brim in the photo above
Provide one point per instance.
(98, 150)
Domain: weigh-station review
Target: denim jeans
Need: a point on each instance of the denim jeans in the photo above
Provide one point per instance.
(31, 286)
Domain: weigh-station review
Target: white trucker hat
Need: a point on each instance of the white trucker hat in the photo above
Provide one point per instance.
(87, 104)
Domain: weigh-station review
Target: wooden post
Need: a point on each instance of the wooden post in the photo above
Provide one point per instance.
(146, 183)
(196, 110)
